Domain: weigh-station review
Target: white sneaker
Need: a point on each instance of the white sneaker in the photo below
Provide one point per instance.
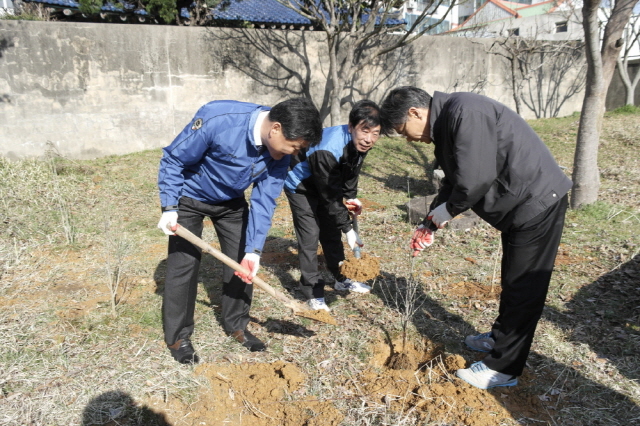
(317, 304)
(481, 376)
(350, 285)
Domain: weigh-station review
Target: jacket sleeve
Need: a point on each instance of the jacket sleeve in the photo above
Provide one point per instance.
(327, 177)
(188, 148)
(263, 203)
(443, 194)
(475, 144)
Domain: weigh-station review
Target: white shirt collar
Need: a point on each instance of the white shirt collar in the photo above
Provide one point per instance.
(257, 138)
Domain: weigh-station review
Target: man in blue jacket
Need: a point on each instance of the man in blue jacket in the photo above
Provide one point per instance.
(227, 147)
(496, 165)
(322, 187)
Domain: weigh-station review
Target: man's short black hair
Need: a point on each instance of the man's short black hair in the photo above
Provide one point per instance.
(365, 111)
(299, 118)
(396, 105)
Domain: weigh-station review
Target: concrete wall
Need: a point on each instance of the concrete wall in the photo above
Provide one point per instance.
(99, 89)
(617, 94)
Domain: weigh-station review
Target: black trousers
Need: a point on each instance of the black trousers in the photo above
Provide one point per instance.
(312, 224)
(183, 262)
(529, 253)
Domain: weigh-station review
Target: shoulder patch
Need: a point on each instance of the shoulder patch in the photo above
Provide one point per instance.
(197, 124)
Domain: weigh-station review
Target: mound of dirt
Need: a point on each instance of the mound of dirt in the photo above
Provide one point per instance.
(258, 395)
(427, 388)
(363, 269)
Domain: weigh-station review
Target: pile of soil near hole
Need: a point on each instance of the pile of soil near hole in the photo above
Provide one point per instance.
(269, 394)
(364, 269)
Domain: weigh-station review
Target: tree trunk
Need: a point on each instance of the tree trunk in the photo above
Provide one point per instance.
(629, 85)
(335, 94)
(600, 68)
(514, 85)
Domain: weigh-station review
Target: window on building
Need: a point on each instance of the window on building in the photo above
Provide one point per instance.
(439, 28)
(561, 27)
(513, 32)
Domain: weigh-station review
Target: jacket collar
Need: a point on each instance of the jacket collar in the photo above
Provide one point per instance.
(437, 102)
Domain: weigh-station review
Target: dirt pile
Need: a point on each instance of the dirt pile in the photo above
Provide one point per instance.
(363, 269)
(427, 389)
(258, 394)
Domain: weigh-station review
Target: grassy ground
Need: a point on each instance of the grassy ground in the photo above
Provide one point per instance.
(82, 270)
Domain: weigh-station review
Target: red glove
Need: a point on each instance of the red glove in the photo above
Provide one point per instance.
(251, 262)
(354, 206)
(422, 238)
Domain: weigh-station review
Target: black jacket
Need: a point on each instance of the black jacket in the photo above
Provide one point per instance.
(328, 172)
(493, 161)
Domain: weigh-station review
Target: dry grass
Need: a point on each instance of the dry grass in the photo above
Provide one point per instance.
(66, 360)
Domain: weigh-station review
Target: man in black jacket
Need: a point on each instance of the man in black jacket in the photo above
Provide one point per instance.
(495, 165)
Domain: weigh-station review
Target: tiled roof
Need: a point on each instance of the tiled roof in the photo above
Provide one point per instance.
(258, 11)
(108, 7)
(267, 11)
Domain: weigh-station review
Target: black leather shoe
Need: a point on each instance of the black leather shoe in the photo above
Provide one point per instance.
(249, 341)
(183, 352)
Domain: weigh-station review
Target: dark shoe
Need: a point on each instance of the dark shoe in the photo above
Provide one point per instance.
(183, 352)
(249, 341)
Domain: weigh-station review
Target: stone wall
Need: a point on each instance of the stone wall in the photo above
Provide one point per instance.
(93, 90)
(617, 95)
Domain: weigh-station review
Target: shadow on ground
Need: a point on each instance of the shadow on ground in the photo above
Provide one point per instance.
(118, 408)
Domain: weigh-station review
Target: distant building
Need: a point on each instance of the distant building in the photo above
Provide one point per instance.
(6, 7)
(549, 20)
(412, 9)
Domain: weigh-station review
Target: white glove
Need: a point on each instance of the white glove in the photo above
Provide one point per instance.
(440, 215)
(251, 262)
(354, 206)
(168, 218)
(353, 239)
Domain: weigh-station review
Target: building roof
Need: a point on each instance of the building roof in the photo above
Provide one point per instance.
(505, 10)
(269, 11)
(107, 7)
(254, 11)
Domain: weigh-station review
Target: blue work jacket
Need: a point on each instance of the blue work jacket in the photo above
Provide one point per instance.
(215, 159)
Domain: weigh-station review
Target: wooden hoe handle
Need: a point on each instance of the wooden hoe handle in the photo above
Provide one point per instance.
(281, 297)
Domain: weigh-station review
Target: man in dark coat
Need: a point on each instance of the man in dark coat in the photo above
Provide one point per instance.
(495, 165)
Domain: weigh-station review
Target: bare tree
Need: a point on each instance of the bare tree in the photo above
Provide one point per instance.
(631, 39)
(601, 62)
(357, 35)
(544, 73)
